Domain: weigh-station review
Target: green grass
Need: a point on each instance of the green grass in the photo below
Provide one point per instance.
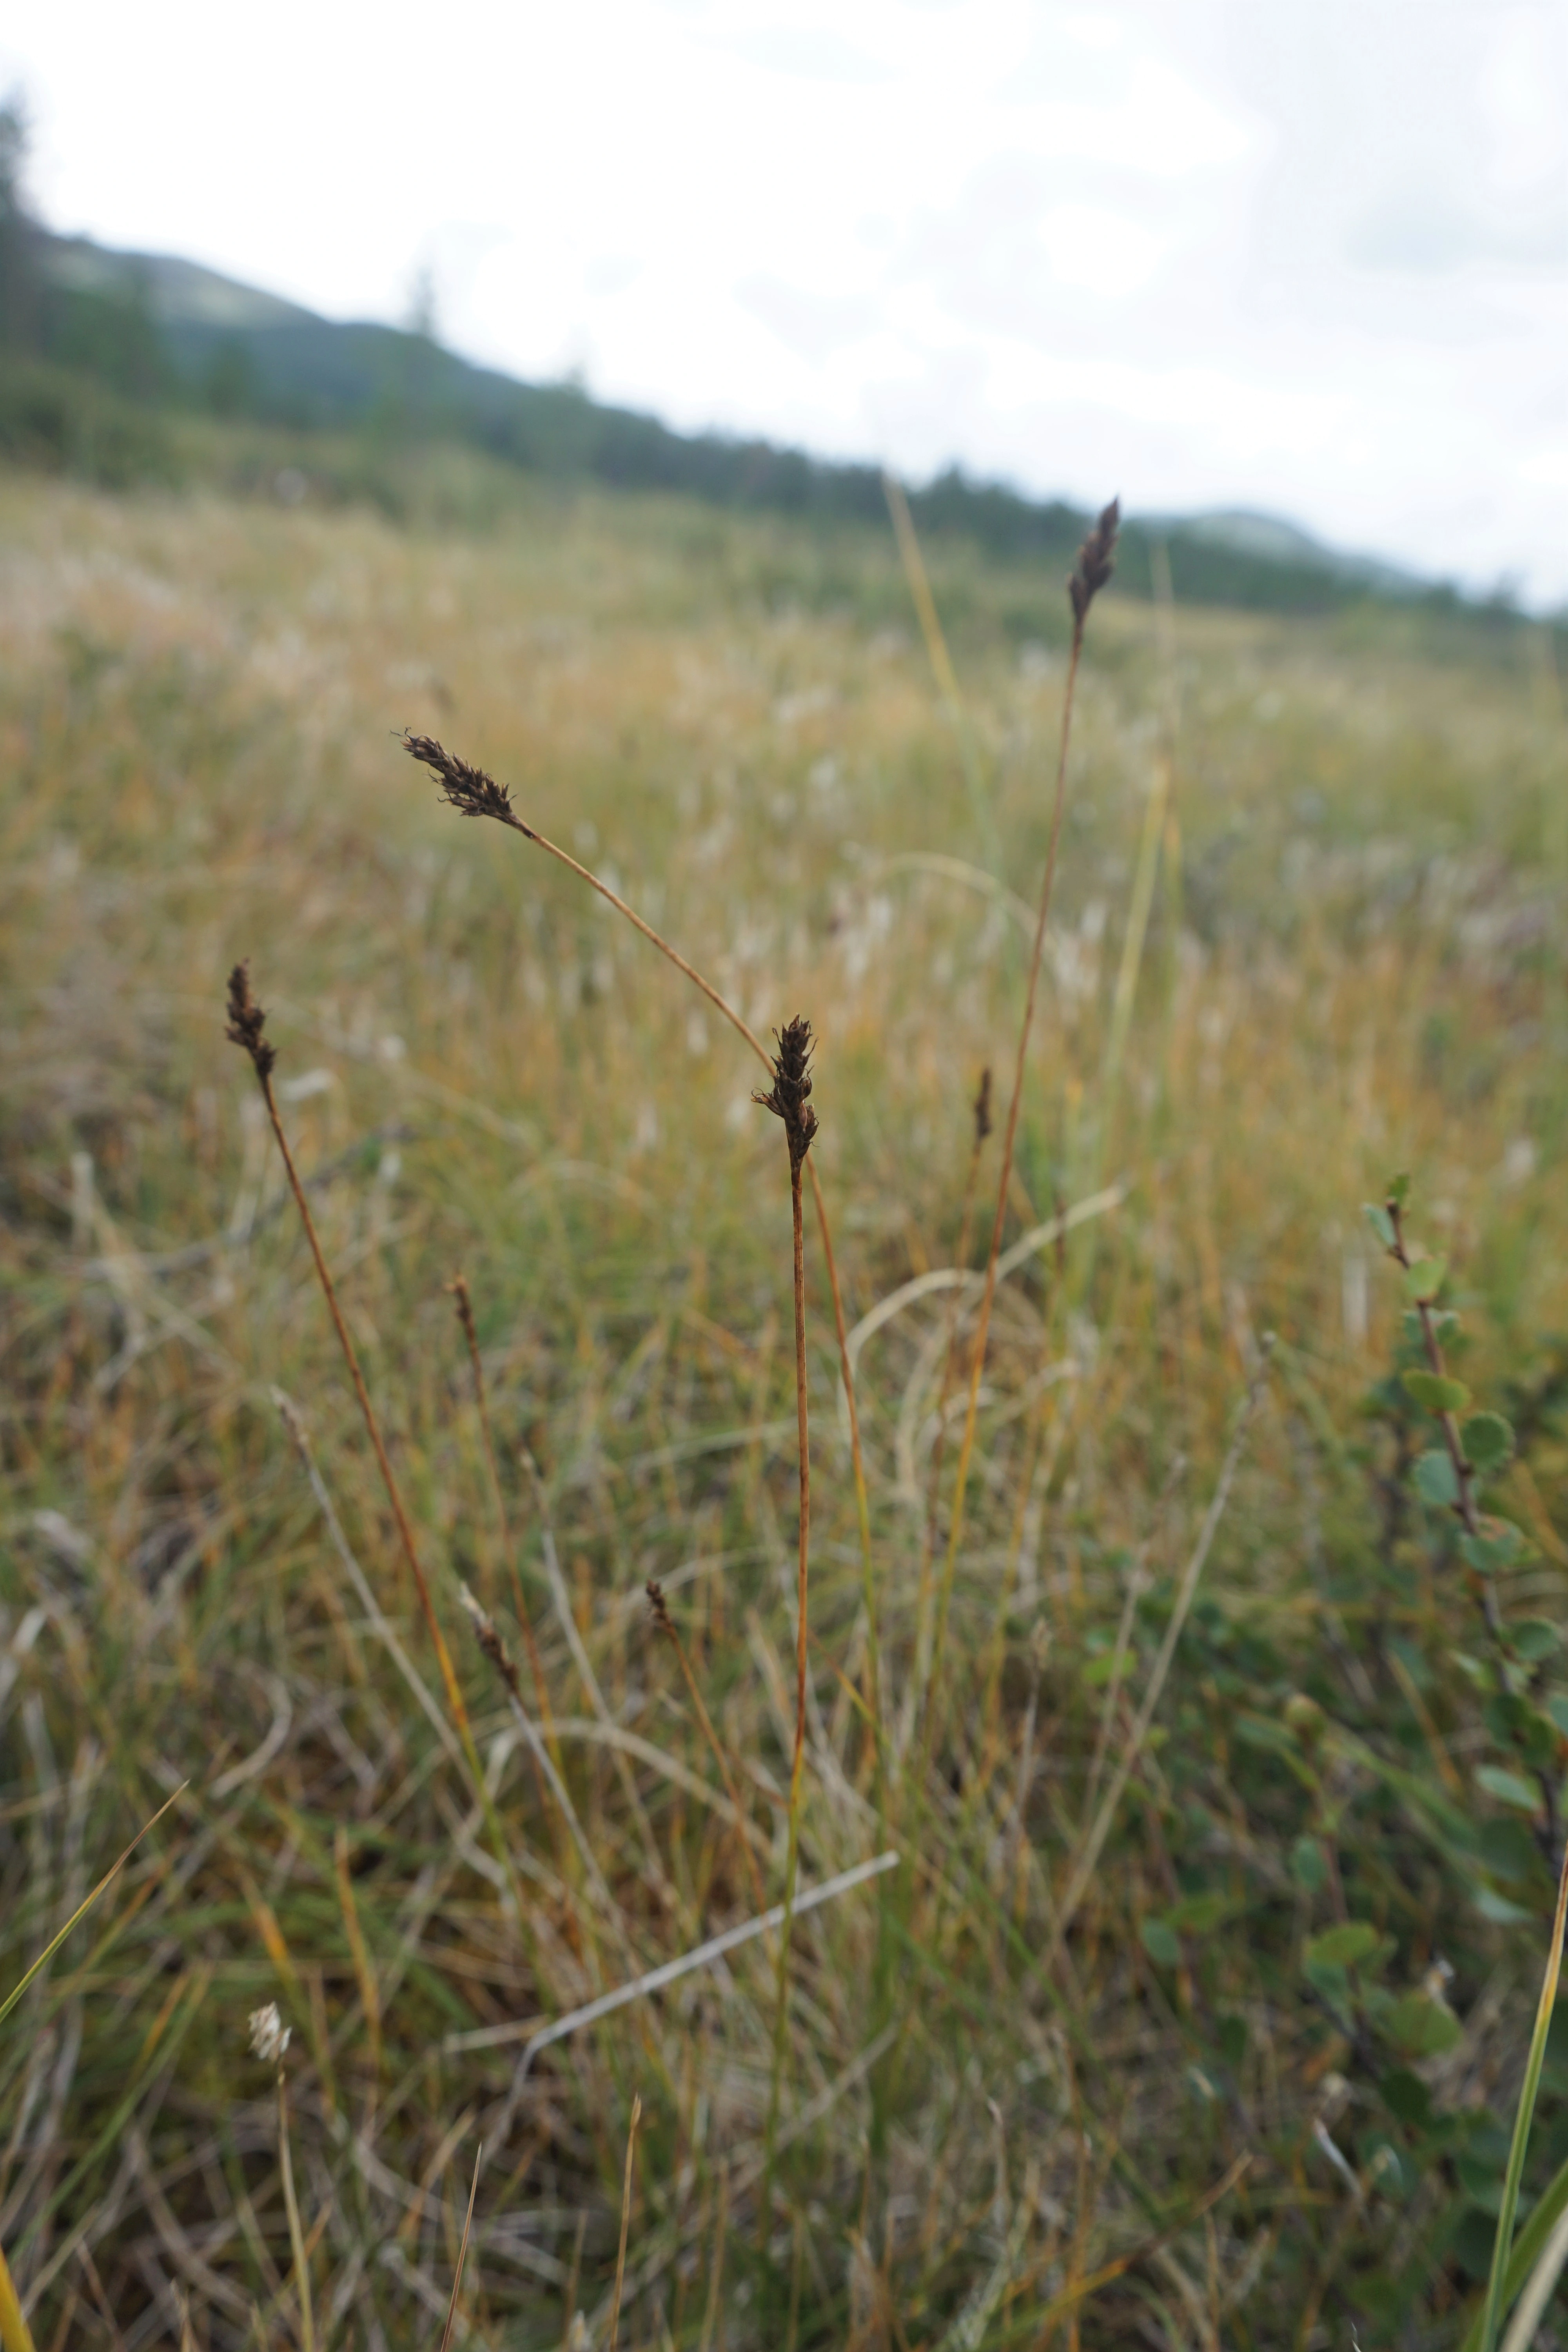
(1353, 965)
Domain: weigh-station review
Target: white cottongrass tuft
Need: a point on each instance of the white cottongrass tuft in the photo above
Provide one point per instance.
(268, 2035)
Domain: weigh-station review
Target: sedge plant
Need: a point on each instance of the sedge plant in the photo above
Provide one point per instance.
(246, 1028)
(473, 791)
(788, 1098)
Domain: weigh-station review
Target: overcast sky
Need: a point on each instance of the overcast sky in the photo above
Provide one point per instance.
(1309, 256)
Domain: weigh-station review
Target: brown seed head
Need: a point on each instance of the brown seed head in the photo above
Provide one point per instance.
(458, 1290)
(1096, 562)
(787, 1098)
(982, 1108)
(661, 1616)
(469, 790)
(488, 1635)
(246, 1021)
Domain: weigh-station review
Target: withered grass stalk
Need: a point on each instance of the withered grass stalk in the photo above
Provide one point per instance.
(626, 2222)
(666, 1624)
(495, 1650)
(473, 791)
(1096, 560)
(464, 1307)
(462, 2251)
(247, 1023)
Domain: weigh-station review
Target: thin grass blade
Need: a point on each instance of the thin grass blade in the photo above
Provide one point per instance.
(15, 1995)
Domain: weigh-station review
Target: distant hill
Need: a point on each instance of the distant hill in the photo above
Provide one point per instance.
(162, 330)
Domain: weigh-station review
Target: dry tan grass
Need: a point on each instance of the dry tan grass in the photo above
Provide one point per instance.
(482, 1069)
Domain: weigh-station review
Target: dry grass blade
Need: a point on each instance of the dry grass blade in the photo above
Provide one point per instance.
(15, 1995)
(1080, 2289)
(15, 2335)
(981, 1129)
(666, 1624)
(463, 1301)
(725, 709)
(626, 2222)
(940, 660)
(462, 2251)
(489, 2037)
(495, 1650)
(296, 2226)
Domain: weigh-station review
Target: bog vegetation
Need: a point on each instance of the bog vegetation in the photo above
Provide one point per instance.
(1172, 1847)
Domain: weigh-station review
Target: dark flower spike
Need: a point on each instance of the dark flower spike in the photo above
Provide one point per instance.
(661, 1616)
(982, 1108)
(787, 1098)
(246, 1021)
(469, 790)
(1096, 562)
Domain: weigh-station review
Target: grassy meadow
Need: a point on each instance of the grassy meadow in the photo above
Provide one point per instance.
(1195, 2008)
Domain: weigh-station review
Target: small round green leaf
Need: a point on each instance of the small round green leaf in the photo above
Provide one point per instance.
(1420, 2027)
(1488, 1442)
(1533, 1639)
(1497, 1908)
(1436, 1480)
(1498, 1543)
(1200, 1914)
(1435, 1393)
(1424, 1280)
(1508, 1787)
(1380, 1220)
(1343, 1947)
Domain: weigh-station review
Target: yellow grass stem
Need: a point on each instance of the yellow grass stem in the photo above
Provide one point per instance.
(1131, 963)
(625, 2222)
(716, 2271)
(940, 660)
(365, 1968)
(14, 2334)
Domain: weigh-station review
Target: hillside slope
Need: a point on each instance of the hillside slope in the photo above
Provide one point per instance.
(241, 351)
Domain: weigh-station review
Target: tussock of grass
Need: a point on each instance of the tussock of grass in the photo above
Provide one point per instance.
(1158, 2121)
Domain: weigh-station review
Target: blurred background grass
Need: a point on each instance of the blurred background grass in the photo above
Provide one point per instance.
(1353, 963)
